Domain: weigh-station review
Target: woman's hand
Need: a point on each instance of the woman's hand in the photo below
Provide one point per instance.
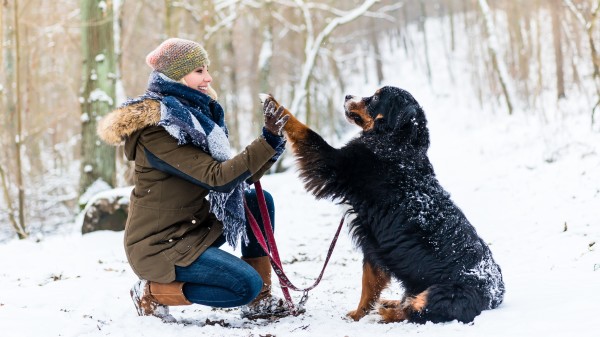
(274, 122)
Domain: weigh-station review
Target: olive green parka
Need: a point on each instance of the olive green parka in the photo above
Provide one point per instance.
(169, 222)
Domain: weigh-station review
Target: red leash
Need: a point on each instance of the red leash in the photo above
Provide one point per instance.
(273, 253)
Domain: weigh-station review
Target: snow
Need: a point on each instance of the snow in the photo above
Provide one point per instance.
(529, 183)
(98, 189)
(88, 168)
(497, 172)
(100, 95)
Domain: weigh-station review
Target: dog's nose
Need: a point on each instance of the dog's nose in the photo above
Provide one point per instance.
(349, 97)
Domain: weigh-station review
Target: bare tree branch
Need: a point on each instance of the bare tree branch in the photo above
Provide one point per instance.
(313, 46)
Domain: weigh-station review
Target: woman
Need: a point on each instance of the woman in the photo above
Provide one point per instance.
(177, 137)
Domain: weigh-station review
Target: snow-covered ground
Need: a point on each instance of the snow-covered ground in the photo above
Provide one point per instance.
(541, 218)
(531, 189)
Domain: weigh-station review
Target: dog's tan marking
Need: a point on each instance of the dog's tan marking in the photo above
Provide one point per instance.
(397, 311)
(390, 315)
(419, 302)
(389, 303)
(359, 109)
(374, 280)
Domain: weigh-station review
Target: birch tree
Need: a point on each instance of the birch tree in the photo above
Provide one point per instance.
(558, 52)
(98, 91)
(10, 101)
(494, 50)
(14, 112)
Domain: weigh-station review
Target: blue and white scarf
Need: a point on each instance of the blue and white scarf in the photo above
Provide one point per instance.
(193, 117)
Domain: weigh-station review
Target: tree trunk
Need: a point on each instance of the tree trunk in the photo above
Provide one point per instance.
(589, 26)
(595, 57)
(374, 40)
(265, 58)
(98, 92)
(497, 62)
(451, 11)
(21, 233)
(538, 56)
(558, 54)
(422, 21)
(234, 115)
(520, 59)
(19, 138)
(169, 18)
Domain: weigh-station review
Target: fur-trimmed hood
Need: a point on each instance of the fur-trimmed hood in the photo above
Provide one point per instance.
(121, 124)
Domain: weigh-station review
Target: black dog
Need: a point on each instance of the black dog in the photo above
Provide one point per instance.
(405, 222)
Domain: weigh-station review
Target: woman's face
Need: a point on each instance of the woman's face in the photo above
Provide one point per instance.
(198, 79)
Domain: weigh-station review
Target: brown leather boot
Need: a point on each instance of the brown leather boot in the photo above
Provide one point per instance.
(153, 299)
(263, 268)
(265, 305)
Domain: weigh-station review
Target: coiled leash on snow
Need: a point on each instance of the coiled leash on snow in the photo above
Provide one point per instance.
(271, 250)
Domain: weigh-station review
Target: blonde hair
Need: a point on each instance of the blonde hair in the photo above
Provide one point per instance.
(211, 92)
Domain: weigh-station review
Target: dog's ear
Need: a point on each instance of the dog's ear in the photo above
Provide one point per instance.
(387, 116)
(419, 135)
(411, 125)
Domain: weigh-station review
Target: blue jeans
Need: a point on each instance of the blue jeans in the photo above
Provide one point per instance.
(219, 279)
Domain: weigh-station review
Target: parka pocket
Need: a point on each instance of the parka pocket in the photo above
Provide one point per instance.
(183, 245)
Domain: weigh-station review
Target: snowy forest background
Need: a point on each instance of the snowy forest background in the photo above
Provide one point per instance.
(66, 63)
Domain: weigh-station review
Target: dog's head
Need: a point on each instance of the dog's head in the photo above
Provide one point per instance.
(389, 110)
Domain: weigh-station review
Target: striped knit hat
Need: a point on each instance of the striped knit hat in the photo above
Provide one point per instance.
(177, 57)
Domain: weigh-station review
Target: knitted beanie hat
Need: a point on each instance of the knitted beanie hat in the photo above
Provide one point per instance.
(177, 57)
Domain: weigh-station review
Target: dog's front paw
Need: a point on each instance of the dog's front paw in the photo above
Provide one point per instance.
(357, 314)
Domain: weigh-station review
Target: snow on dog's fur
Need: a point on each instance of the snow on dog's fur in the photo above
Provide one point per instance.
(405, 223)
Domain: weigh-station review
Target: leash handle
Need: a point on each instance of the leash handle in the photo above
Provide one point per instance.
(273, 253)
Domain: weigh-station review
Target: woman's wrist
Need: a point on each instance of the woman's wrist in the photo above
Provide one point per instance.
(276, 142)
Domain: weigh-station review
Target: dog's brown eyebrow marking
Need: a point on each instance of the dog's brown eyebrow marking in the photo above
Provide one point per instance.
(378, 92)
(379, 116)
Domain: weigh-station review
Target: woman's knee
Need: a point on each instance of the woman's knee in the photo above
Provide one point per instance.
(252, 288)
(252, 199)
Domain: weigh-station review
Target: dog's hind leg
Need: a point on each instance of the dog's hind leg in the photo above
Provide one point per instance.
(439, 303)
(374, 280)
(448, 302)
(397, 311)
(389, 303)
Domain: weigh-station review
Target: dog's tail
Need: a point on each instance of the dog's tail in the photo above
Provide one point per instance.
(447, 302)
